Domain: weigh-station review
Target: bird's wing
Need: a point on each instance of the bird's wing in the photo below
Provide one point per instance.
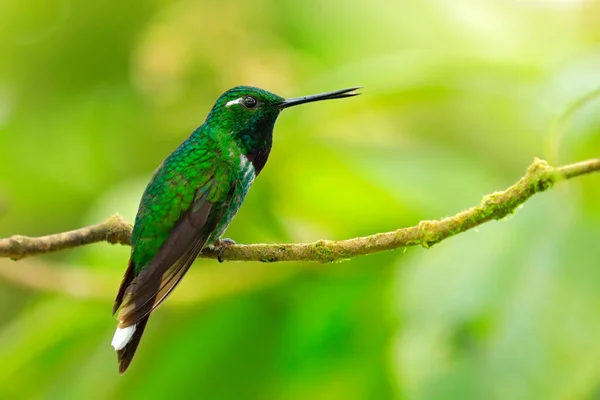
(162, 274)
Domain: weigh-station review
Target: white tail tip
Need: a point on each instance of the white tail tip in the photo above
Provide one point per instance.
(122, 337)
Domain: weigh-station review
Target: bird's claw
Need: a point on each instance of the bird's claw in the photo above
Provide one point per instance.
(222, 244)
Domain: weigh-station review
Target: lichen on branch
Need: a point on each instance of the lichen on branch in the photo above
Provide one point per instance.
(539, 177)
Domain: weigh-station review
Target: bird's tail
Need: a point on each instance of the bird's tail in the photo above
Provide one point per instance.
(131, 337)
(133, 318)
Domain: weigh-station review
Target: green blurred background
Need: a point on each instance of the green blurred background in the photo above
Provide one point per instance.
(459, 97)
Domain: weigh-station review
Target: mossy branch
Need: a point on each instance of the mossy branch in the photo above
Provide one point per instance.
(539, 177)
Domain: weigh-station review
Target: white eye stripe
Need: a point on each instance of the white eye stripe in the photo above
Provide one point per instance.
(232, 102)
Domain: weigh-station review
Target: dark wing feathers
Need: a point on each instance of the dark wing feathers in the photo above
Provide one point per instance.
(125, 282)
(140, 295)
(168, 266)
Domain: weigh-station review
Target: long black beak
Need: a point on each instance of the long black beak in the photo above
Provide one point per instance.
(338, 94)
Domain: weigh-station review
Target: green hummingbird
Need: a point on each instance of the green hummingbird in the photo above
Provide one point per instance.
(191, 199)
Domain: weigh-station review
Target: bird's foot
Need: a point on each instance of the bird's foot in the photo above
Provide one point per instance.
(221, 245)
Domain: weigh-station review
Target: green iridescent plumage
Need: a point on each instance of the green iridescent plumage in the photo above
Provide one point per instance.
(191, 199)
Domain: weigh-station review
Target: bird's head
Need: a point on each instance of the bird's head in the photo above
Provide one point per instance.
(249, 114)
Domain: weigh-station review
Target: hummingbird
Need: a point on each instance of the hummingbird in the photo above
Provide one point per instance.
(191, 199)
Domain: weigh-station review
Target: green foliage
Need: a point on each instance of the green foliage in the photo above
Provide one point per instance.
(459, 98)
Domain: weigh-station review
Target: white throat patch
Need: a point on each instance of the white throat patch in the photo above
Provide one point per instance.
(247, 168)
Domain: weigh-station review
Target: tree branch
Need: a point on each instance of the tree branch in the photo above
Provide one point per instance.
(539, 177)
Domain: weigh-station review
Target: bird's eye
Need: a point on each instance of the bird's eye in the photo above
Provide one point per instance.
(250, 102)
